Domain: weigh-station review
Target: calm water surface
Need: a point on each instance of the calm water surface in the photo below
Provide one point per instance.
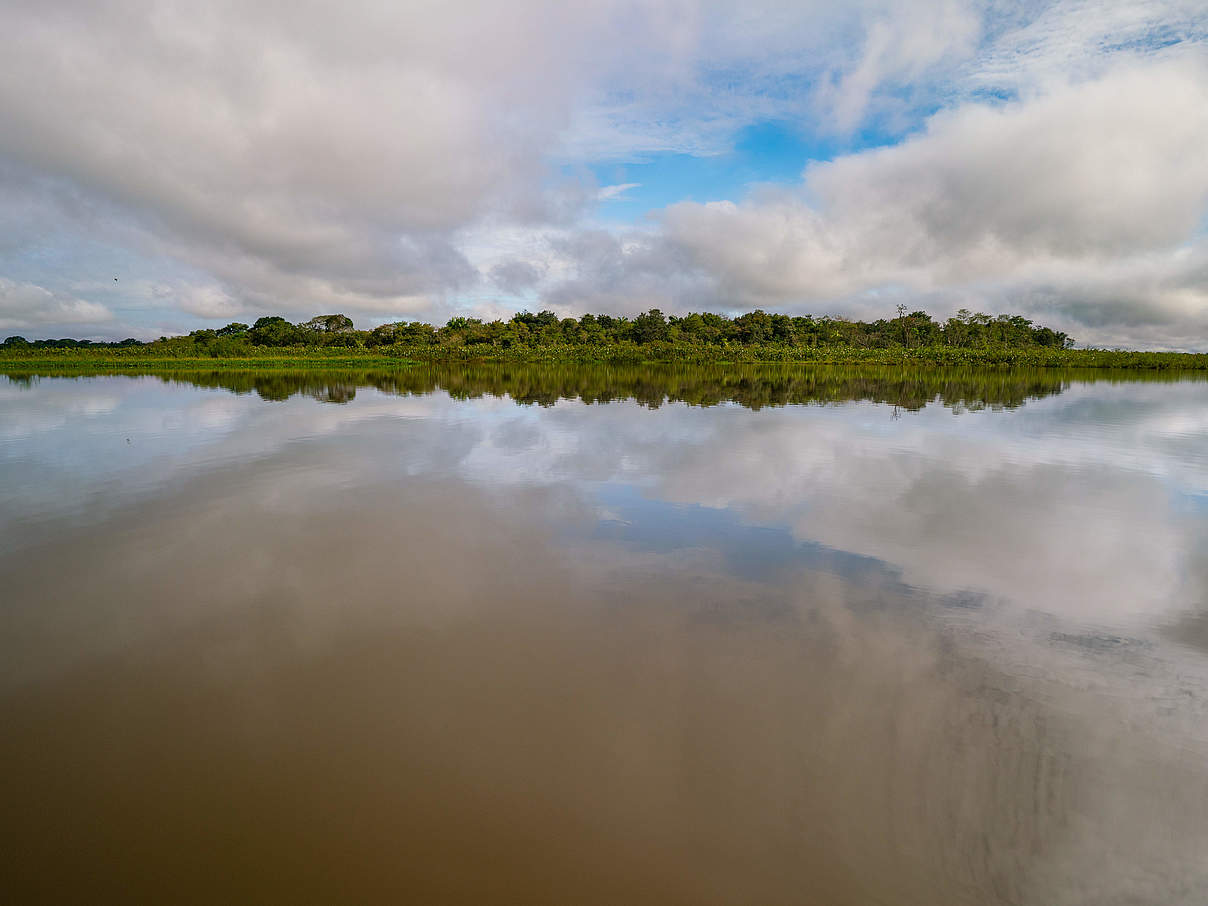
(606, 636)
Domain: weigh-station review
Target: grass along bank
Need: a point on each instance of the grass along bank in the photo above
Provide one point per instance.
(623, 353)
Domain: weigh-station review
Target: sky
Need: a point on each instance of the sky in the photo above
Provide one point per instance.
(166, 166)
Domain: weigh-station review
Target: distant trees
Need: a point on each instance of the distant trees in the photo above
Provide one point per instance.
(650, 327)
(276, 331)
(14, 343)
(700, 334)
(329, 324)
(976, 329)
(414, 333)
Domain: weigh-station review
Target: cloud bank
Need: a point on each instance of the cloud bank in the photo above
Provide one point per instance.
(423, 159)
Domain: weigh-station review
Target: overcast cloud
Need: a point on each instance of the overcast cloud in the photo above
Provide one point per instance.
(422, 159)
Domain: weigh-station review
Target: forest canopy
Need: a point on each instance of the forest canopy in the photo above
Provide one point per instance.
(525, 330)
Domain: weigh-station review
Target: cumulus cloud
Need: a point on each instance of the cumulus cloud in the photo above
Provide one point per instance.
(1105, 167)
(25, 305)
(293, 149)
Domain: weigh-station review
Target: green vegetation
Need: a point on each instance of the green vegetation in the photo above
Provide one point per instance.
(651, 385)
(910, 338)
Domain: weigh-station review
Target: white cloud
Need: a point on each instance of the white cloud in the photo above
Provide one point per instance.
(1031, 48)
(293, 150)
(1104, 167)
(617, 191)
(209, 302)
(24, 305)
(901, 42)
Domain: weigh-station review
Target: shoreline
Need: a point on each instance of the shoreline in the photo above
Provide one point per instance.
(922, 357)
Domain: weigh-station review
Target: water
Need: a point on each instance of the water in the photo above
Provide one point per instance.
(604, 636)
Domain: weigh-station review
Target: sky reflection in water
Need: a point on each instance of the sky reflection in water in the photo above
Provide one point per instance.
(876, 651)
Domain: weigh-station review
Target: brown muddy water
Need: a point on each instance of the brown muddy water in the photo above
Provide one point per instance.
(696, 636)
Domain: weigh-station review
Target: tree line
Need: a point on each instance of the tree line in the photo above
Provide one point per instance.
(525, 330)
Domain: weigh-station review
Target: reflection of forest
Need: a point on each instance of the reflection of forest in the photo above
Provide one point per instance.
(753, 386)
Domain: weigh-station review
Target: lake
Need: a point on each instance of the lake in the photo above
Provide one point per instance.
(604, 635)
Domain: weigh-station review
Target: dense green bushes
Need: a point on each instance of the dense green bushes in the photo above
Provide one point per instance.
(966, 339)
